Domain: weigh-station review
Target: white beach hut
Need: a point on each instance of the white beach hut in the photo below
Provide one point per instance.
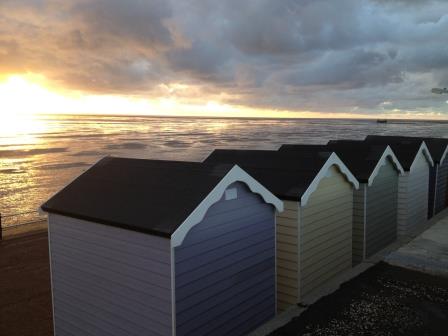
(147, 247)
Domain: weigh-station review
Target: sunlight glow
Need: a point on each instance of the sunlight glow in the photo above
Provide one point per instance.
(22, 96)
(26, 95)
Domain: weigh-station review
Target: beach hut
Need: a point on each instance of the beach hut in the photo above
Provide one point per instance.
(375, 203)
(314, 233)
(147, 247)
(439, 174)
(413, 184)
(438, 177)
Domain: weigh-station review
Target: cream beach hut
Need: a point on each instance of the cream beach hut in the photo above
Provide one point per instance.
(375, 203)
(147, 247)
(314, 233)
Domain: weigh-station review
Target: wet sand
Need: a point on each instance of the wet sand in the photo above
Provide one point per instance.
(25, 296)
(11, 232)
(384, 300)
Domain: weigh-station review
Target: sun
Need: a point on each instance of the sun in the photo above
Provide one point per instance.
(26, 94)
(18, 100)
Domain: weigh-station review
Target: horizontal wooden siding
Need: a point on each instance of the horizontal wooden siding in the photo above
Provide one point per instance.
(325, 233)
(358, 223)
(225, 268)
(108, 281)
(441, 186)
(287, 256)
(381, 210)
(418, 194)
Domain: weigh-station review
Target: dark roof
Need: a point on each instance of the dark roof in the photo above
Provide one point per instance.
(436, 146)
(148, 196)
(404, 148)
(360, 157)
(287, 176)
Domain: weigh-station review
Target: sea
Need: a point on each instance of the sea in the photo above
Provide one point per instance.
(42, 153)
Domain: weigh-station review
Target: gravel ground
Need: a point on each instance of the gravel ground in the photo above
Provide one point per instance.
(385, 300)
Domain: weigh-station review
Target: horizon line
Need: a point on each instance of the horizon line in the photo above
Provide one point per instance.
(235, 117)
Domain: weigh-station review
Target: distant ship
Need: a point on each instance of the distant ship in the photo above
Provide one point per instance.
(439, 91)
(381, 121)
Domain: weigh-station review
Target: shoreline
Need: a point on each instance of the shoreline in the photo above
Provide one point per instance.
(23, 230)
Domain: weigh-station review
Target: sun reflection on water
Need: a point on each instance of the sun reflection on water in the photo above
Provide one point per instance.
(20, 129)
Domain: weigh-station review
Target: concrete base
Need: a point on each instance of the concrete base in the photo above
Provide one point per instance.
(427, 253)
(279, 321)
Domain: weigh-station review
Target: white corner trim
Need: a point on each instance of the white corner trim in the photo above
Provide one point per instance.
(333, 160)
(423, 149)
(51, 273)
(236, 174)
(388, 152)
(444, 155)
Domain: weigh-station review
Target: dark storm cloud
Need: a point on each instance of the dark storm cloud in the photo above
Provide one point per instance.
(350, 70)
(136, 22)
(318, 55)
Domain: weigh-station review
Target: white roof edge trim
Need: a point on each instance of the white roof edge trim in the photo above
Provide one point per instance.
(444, 155)
(388, 152)
(333, 160)
(236, 174)
(423, 149)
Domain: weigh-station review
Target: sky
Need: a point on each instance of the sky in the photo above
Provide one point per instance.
(295, 58)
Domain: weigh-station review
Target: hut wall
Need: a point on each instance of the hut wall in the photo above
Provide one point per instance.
(287, 256)
(325, 233)
(402, 204)
(413, 197)
(225, 268)
(107, 280)
(432, 190)
(359, 223)
(441, 188)
(381, 210)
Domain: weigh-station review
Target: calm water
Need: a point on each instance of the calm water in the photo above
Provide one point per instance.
(49, 151)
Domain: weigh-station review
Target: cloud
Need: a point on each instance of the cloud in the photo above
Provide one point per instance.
(312, 55)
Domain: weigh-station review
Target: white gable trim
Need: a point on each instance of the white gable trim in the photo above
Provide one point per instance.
(383, 161)
(425, 151)
(444, 155)
(333, 160)
(236, 174)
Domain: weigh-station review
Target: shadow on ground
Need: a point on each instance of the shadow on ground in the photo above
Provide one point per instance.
(385, 300)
